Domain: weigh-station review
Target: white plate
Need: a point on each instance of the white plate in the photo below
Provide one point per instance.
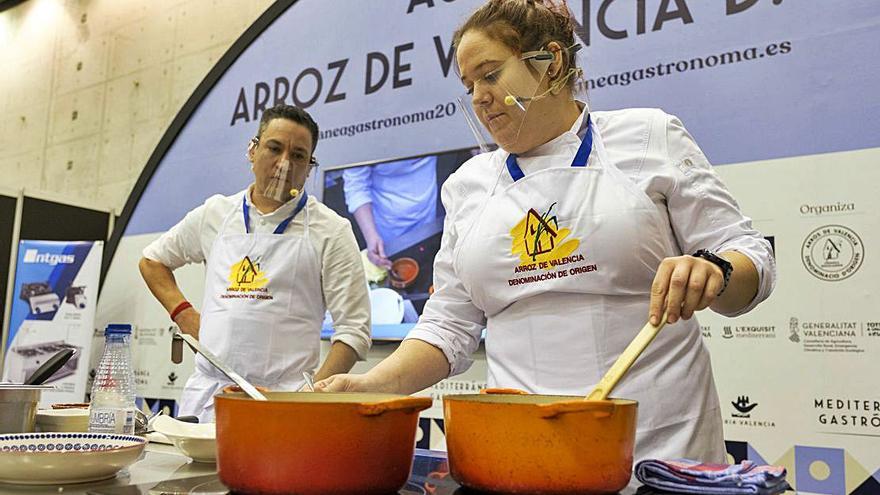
(195, 440)
(156, 437)
(61, 458)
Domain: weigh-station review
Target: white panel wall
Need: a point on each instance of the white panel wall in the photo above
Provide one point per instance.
(88, 88)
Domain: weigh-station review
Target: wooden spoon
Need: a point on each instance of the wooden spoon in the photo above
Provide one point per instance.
(626, 360)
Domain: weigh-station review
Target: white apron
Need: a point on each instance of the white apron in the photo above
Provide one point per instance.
(262, 312)
(561, 261)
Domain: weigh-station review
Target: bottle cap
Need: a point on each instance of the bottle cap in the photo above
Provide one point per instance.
(118, 329)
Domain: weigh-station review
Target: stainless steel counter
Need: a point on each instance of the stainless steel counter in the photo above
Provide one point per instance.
(162, 470)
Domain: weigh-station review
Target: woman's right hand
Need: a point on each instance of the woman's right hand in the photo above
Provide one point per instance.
(188, 322)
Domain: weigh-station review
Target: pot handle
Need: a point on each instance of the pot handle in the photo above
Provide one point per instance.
(599, 409)
(406, 404)
(513, 391)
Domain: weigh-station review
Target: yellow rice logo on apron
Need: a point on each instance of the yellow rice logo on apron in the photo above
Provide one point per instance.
(537, 238)
(246, 275)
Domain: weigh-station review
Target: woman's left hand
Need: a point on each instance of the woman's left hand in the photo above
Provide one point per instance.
(683, 284)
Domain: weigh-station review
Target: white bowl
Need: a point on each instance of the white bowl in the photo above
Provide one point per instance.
(386, 306)
(61, 458)
(197, 441)
(62, 420)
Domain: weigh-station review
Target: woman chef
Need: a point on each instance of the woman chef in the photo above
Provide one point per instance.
(567, 238)
(275, 260)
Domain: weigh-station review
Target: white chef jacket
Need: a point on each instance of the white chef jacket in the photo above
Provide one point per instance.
(403, 193)
(342, 272)
(650, 147)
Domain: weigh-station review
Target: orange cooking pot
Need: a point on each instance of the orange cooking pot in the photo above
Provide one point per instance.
(316, 443)
(509, 441)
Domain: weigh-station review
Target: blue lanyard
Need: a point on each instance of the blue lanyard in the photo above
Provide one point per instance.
(580, 158)
(281, 226)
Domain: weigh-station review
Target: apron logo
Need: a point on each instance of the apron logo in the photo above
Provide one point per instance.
(538, 240)
(247, 281)
(246, 275)
(540, 244)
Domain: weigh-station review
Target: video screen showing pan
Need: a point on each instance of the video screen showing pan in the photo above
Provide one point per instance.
(397, 217)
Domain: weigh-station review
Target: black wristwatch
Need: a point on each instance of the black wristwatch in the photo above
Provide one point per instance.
(726, 266)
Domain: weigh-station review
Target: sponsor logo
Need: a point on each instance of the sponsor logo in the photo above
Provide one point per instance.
(832, 253)
(743, 412)
(829, 336)
(706, 330)
(850, 415)
(34, 256)
(872, 328)
(794, 336)
(172, 377)
(744, 406)
(749, 332)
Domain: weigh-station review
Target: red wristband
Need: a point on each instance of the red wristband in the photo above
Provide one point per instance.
(180, 307)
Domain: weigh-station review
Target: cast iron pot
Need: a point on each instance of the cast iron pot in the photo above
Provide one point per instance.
(508, 441)
(316, 443)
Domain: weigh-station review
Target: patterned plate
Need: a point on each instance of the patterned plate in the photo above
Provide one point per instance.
(61, 458)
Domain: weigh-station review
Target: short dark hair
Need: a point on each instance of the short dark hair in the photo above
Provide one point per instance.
(290, 112)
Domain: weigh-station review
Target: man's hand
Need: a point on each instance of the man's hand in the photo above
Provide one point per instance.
(375, 244)
(376, 252)
(188, 321)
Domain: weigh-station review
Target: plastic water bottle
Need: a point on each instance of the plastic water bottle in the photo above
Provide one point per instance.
(112, 409)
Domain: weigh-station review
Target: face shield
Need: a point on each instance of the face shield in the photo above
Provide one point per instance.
(502, 102)
(288, 174)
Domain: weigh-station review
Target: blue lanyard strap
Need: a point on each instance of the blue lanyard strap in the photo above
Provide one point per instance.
(580, 158)
(281, 226)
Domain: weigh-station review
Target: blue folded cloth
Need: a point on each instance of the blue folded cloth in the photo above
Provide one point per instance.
(688, 476)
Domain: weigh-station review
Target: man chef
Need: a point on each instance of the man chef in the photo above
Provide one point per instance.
(276, 259)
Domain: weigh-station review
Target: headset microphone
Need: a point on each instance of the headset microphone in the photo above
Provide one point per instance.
(511, 100)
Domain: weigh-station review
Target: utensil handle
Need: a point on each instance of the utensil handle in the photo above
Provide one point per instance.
(626, 360)
(310, 381)
(176, 349)
(215, 361)
(401, 404)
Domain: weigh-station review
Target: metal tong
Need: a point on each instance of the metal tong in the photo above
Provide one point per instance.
(215, 361)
